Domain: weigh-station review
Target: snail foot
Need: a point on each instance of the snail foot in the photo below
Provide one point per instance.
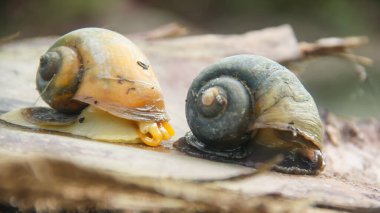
(193, 146)
(295, 161)
(90, 123)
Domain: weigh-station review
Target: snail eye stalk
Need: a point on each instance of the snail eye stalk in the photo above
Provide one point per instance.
(152, 133)
(168, 127)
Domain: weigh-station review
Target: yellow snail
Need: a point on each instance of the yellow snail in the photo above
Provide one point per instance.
(98, 84)
(248, 109)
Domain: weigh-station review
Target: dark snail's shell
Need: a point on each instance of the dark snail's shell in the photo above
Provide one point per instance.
(246, 109)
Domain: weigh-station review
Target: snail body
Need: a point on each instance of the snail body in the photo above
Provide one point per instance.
(247, 109)
(99, 68)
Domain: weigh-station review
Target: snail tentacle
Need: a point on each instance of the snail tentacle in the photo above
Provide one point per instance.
(152, 133)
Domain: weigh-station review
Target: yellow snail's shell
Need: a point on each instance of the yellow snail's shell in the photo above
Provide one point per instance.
(99, 85)
(104, 69)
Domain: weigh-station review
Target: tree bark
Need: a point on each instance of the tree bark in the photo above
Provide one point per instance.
(52, 171)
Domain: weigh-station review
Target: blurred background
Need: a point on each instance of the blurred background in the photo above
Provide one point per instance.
(333, 82)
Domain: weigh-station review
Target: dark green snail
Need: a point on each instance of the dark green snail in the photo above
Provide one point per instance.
(247, 109)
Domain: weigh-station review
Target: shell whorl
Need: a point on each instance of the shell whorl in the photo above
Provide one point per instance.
(104, 69)
(231, 100)
(218, 113)
(58, 78)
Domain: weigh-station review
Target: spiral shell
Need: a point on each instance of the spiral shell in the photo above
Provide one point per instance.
(101, 86)
(246, 101)
(101, 68)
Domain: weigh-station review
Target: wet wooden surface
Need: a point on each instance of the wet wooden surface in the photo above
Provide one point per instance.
(352, 175)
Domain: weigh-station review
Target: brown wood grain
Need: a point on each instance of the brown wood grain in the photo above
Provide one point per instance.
(351, 178)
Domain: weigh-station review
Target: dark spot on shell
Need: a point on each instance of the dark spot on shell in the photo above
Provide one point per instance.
(291, 122)
(81, 120)
(130, 89)
(95, 102)
(144, 66)
(43, 61)
(120, 79)
(152, 88)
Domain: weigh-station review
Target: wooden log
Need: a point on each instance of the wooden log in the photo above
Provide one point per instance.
(351, 179)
